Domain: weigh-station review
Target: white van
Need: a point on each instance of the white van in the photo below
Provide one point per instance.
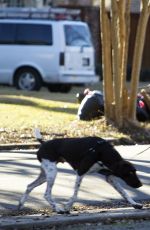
(42, 52)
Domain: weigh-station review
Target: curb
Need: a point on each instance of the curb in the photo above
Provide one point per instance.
(19, 222)
(16, 146)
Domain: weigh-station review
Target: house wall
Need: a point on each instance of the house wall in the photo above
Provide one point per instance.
(92, 16)
(146, 52)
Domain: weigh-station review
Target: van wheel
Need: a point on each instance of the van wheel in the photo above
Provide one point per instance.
(53, 88)
(27, 79)
(63, 88)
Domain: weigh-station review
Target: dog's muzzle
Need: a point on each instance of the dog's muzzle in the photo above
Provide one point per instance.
(134, 183)
(138, 185)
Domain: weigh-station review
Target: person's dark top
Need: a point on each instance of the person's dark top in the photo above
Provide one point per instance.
(142, 111)
(92, 106)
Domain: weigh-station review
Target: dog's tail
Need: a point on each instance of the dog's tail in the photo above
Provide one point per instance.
(38, 135)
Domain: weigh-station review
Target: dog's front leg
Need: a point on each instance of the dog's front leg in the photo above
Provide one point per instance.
(113, 181)
(74, 197)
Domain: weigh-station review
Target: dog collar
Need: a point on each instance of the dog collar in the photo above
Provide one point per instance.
(101, 142)
(92, 149)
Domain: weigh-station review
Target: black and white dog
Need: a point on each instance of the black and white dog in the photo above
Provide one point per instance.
(85, 155)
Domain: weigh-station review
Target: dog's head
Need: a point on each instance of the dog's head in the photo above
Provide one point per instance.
(126, 171)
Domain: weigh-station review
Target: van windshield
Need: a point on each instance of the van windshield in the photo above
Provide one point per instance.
(77, 35)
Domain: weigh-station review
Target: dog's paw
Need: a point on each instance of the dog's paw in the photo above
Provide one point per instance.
(61, 210)
(67, 208)
(19, 207)
(138, 206)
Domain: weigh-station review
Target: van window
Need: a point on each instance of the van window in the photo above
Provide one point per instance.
(34, 34)
(7, 33)
(77, 35)
(27, 34)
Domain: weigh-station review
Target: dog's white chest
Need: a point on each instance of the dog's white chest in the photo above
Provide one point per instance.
(97, 167)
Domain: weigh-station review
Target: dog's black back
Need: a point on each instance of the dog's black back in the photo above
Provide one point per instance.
(76, 150)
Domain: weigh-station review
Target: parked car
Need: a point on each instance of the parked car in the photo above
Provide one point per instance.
(42, 52)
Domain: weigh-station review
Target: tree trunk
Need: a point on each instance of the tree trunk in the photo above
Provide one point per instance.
(106, 61)
(118, 107)
(124, 18)
(137, 57)
(116, 62)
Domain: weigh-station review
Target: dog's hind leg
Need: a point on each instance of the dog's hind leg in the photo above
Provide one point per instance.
(50, 170)
(74, 197)
(113, 181)
(40, 180)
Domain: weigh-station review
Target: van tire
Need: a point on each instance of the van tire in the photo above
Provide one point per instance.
(54, 88)
(27, 79)
(65, 88)
(62, 88)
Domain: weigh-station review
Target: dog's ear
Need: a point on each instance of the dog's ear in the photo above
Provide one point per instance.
(86, 164)
(116, 168)
(122, 167)
(127, 172)
(126, 166)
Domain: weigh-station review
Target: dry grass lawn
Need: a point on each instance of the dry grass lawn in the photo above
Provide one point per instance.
(53, 113)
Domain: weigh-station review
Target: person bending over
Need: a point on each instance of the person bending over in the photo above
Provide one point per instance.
(92, 105)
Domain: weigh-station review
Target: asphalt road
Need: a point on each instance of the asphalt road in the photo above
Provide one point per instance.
(19, 168)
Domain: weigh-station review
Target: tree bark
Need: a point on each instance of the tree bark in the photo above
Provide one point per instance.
(116, 61)
(119, 107)
(137, 57)
(124, 18)
(106, 61)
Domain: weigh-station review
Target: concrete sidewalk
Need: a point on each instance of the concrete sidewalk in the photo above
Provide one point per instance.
(18, 168)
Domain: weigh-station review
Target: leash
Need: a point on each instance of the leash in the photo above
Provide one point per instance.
(140, 152)
(100, 142)
(104, 141)
(97, 143)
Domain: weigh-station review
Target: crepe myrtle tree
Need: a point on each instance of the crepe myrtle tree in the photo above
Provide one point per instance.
(120, 103)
